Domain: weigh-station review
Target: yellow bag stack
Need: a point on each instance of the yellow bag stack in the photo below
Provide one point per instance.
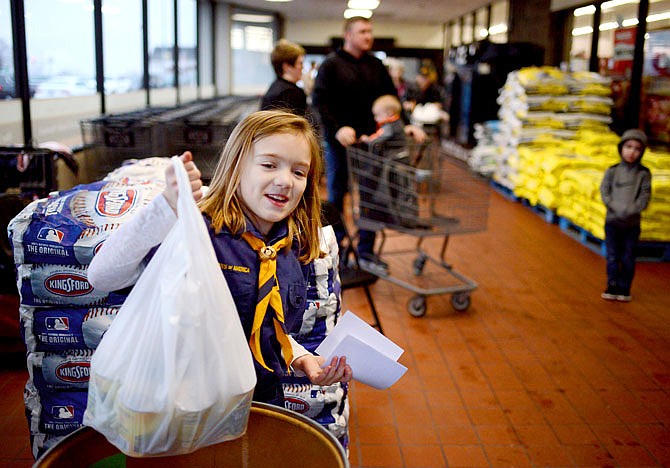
(554, 145)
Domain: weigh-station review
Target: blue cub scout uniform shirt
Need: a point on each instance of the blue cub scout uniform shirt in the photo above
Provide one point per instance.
(240, 266)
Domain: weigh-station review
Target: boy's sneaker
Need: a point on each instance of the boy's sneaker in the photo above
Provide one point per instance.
(610, 294)
(624, 297)
(373, 264)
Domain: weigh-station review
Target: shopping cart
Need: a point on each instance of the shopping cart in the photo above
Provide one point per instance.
(418, 191)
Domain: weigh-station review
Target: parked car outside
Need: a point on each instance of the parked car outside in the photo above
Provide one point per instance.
(8, 87)
(65, 86)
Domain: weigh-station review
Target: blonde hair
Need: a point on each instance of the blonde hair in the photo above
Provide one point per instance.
(285, 52)
(388, 103)
(222, 203)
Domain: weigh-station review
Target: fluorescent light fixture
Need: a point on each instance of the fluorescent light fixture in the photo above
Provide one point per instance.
(582, 31)
(583, 11)
(658, 17)
(483, 32)
(350, 13)
(250, 18)
(625, 23)
(363, 4)
(608, 26)
(498, 29)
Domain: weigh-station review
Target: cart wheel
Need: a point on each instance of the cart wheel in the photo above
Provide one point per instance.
(419, 263)
(460, 301)
(417, 306)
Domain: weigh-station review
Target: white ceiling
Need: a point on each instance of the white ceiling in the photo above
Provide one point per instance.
(433, 12)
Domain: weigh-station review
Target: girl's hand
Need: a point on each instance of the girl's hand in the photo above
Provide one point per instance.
(171, 191)
(337, 371)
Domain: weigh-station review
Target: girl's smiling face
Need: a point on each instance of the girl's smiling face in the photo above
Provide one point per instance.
(273, 178)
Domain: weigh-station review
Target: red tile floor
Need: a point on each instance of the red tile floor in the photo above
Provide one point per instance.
(539, 371)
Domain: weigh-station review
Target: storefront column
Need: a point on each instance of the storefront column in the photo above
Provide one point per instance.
(634, 98)
(530, 21)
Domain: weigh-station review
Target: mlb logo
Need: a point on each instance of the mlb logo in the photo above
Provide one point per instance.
(50, 235)
(57, 323)
(62, 412)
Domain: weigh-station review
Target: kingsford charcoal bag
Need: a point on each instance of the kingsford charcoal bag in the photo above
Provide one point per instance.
(174, 372)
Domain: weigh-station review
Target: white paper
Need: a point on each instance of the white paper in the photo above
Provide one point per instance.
(371, 355)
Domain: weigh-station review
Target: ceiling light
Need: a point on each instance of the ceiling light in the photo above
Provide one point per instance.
(498, 29)
(363, 4)
(582, 31)
(251, 18)
(350, 13)
(583, 11)
(658, 17)
(608, 26)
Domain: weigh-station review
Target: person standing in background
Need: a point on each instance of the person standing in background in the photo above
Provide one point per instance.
(397, 71)
(625, 190)
(348, 82)
(308, 79)
(287, 60)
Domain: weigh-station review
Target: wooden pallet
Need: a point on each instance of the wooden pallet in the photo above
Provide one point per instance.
(646, 251)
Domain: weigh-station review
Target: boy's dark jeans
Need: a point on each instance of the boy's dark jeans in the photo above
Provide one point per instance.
(620, 242)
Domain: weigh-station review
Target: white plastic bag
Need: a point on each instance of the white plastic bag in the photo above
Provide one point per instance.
(174, 371)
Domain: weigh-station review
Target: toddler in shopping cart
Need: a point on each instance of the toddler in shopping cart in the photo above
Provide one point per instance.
(384, 187)
(390, 134)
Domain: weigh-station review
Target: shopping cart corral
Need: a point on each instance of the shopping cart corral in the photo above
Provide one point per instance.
(419, 192)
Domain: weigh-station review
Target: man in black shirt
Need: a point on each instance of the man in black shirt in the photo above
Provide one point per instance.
(348, 82)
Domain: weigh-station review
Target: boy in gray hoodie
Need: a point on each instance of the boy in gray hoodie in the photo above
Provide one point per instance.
(625, 190)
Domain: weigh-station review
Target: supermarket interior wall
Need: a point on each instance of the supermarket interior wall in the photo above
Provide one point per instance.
(405, 34)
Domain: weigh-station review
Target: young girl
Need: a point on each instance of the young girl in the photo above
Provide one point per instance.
(262, 206)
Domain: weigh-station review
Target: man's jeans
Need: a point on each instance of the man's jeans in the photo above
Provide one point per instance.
(337, 183)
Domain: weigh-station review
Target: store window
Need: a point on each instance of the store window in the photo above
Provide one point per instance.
(11, 131)
(456, 34)
(252, 39)
(468, 28)
(481, 24)
(187, 40)
(7, 87)
(122, 53)
(616, 46)
(656, 73)
(161, 52)
(60, 44)
(206, 50)
(499, 20)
